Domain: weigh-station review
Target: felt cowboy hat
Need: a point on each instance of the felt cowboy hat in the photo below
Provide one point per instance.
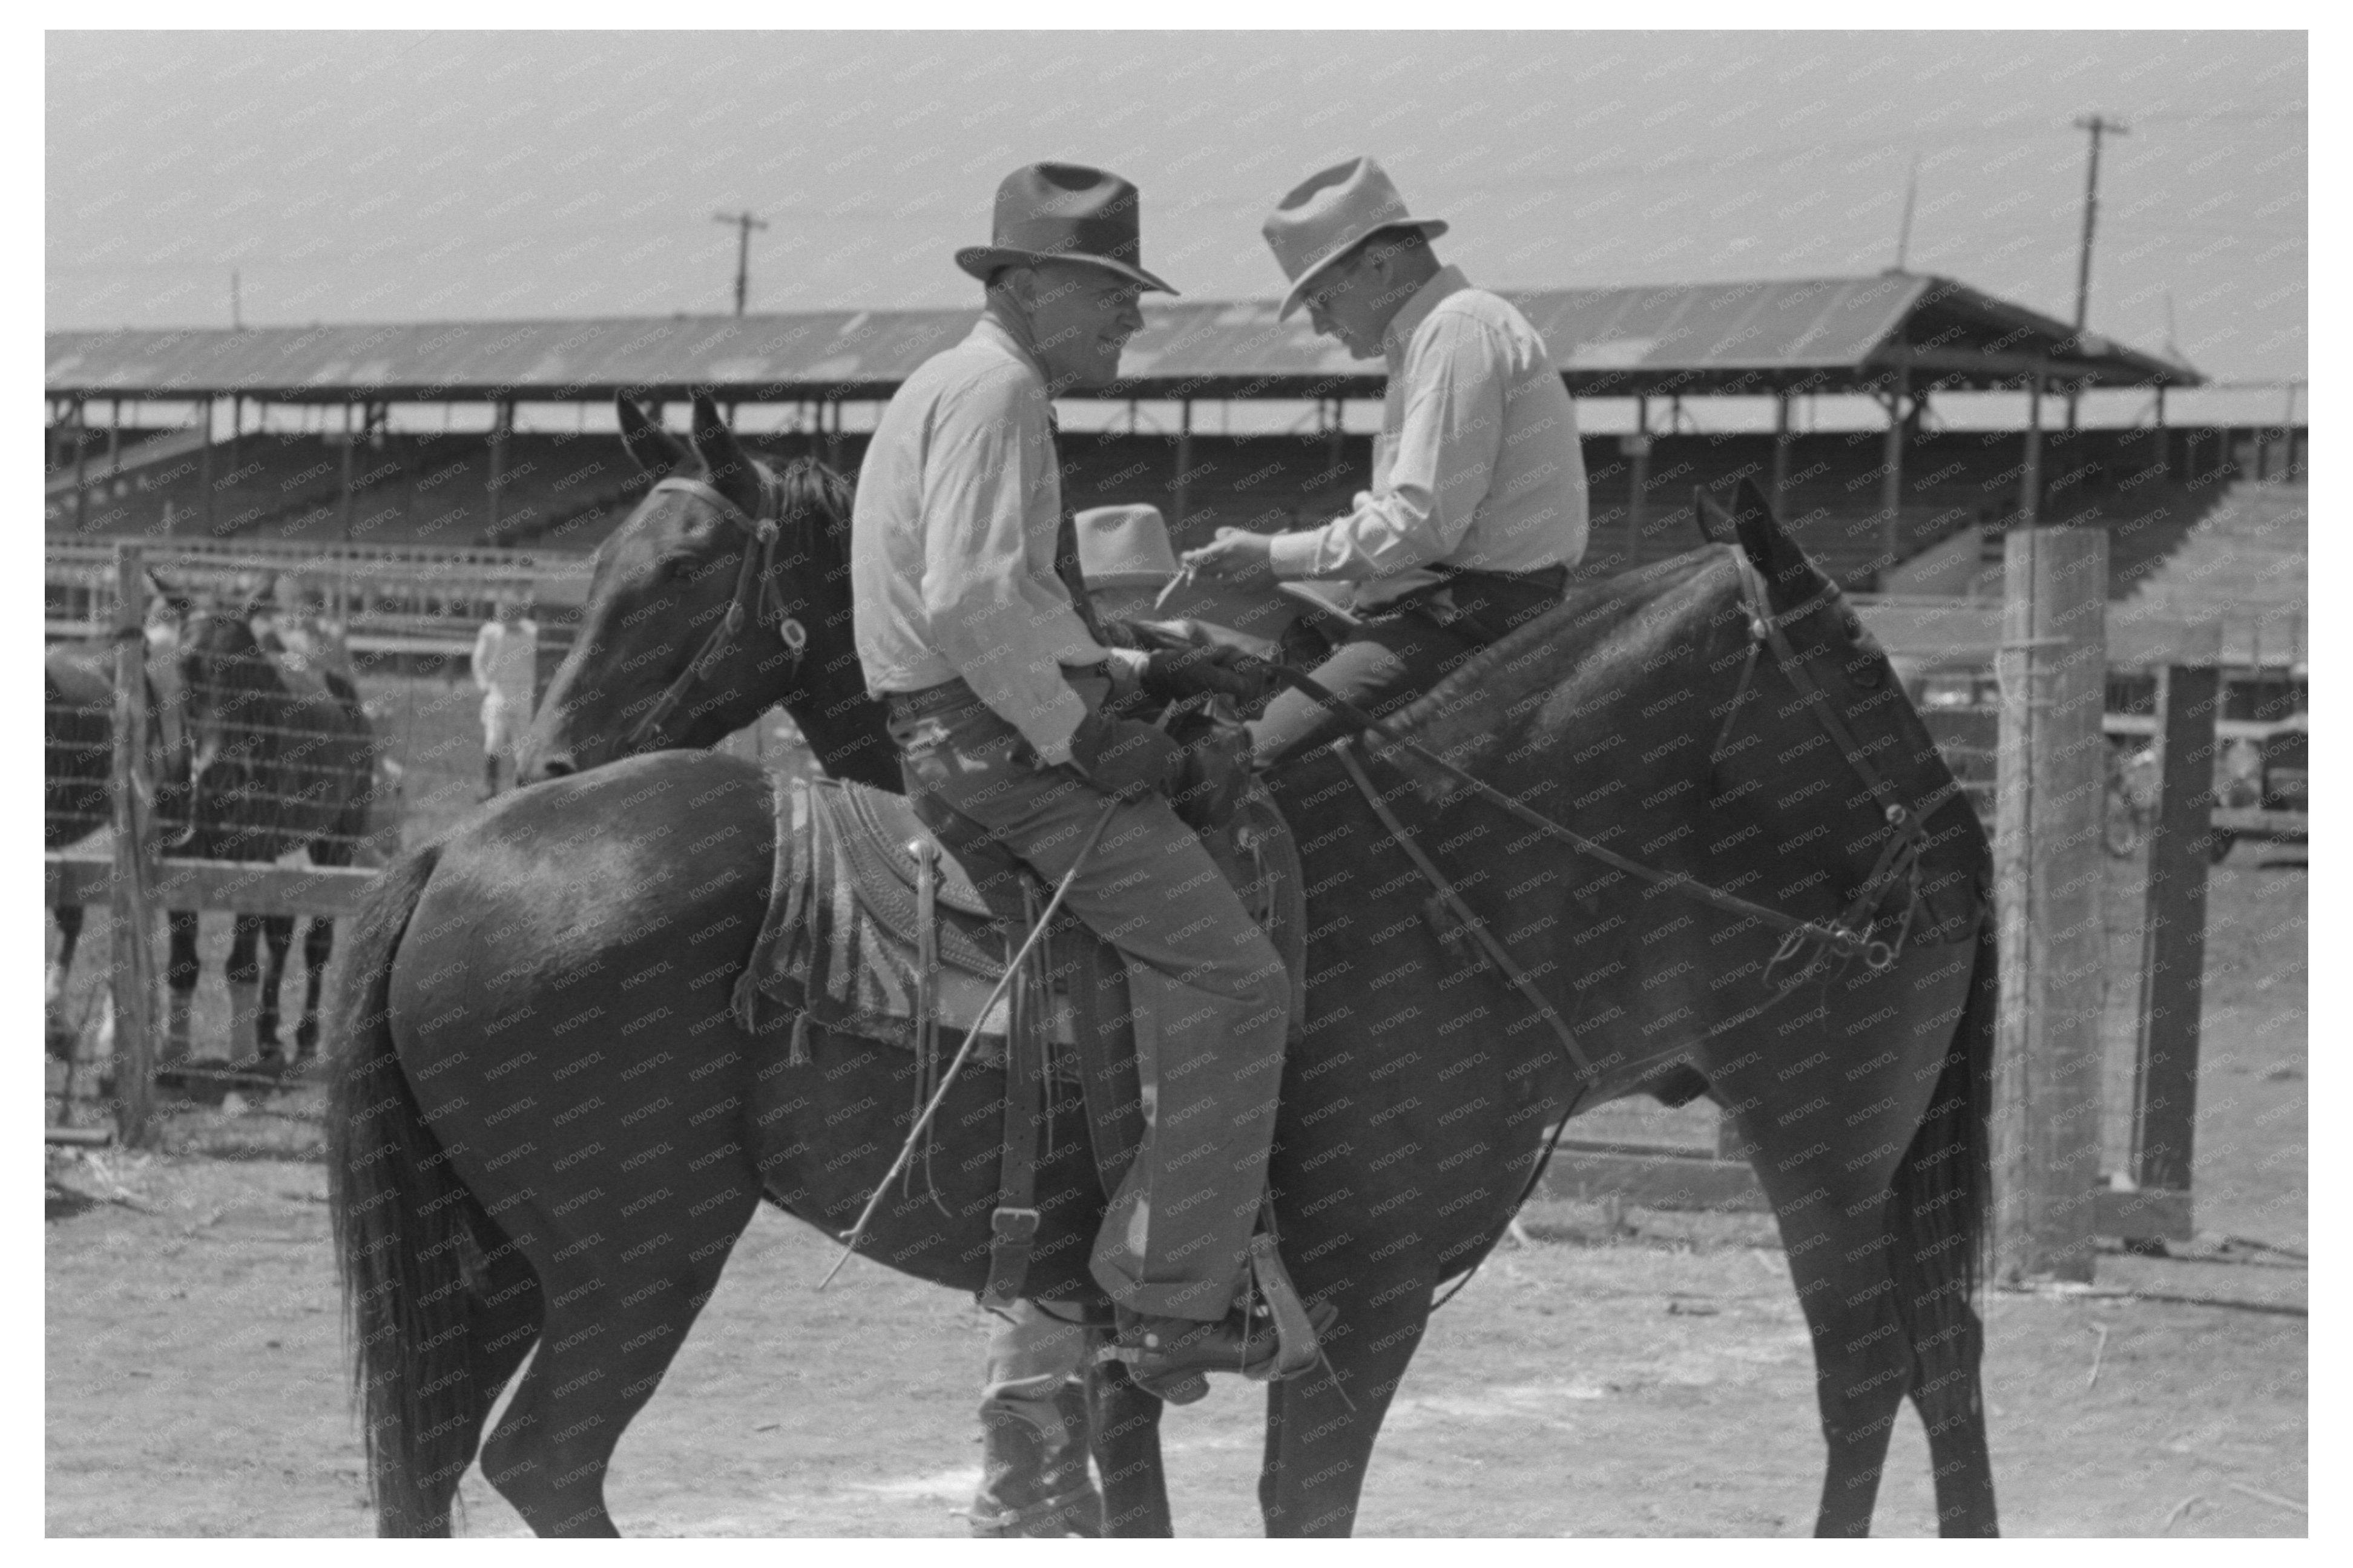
(1064, 212)
(1127, 562)
(1330, 211)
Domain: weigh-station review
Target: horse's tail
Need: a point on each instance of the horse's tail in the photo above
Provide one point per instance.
(1937, 1208)
(407, 1235)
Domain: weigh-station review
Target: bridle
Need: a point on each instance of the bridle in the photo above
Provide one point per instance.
(1899, 865)
(756, 596)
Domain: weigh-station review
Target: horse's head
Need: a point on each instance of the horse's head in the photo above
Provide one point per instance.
(1724, 715)
(703, 606)
(225, 680)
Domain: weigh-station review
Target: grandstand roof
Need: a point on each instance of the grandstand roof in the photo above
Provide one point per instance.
(1825, 335)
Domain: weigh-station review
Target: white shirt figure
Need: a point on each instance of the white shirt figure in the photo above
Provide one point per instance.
(506, 655)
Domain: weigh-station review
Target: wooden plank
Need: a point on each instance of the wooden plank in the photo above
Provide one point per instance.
(2253, 823)
(1682, 1183)
(2173, 942)
(2049, 877)
(131, 868)
(299, 890)
(80, 1137)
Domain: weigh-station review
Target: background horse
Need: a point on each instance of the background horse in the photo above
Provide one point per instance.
(548, 1127)
(274, 765)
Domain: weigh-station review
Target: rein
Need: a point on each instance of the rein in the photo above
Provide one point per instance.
(756, 597)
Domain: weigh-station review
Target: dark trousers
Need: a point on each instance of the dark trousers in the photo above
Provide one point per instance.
(1399, 654)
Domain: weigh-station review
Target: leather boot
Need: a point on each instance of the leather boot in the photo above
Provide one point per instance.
(178, 1005)
(1034, 1481)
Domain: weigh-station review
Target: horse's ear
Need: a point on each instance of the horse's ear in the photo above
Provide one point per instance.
(1705, 514)
(1767, 544)
(176, 598)
(651, 448)
(726, 464)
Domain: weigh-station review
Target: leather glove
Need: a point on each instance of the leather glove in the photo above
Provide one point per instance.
(1172, 675)
(1125, 757)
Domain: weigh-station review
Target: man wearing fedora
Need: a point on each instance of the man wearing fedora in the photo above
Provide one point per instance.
(1477, 508)
(995, 685)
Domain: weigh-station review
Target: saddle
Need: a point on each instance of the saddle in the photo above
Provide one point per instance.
(872, 928)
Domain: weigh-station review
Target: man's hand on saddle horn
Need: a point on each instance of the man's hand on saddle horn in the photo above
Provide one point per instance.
(1169, 661)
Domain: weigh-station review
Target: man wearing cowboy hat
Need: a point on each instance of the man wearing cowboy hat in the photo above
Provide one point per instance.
(995, 684)
(1477, 508)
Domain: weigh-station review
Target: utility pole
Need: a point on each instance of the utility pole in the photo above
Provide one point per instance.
(744, 224)
(2098, 125)
(235, 304)
(1904, 234)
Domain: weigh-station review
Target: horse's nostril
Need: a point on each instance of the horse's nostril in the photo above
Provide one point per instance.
(556, 768)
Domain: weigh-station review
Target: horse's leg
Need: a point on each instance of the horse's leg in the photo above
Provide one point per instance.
(318, 948)
(244, 975)
(179, 982)
(1320, 1427)
(59, 1030)
(278, 937)
(612, 1322)
(1834, 1213)
(1127, 1440)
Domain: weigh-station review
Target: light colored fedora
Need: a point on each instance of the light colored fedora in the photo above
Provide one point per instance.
(1126, 560)
(1064, 212)
(1316, 223)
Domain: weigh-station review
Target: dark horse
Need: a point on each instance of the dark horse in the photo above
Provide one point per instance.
(548, 1129)
(274, 765)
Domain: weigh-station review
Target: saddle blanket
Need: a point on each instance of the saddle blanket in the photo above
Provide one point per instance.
(840, 943)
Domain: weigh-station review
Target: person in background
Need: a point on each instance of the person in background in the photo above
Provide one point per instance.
(312, 638)
(505, 665)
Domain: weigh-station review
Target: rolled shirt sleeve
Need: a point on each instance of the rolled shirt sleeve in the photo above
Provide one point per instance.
(996, 612)
(1442, 466)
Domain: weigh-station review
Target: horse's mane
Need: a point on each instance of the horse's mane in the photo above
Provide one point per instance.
(1599, 640)
(816, 514)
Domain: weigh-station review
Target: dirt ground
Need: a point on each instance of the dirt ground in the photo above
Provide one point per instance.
(1601, 1383)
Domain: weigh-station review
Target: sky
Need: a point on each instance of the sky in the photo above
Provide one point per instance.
(371, 176)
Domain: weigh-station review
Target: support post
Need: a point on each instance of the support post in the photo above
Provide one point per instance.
(2173, 945)
(1891, 478)
(2030, 477)
(2048, 878)
(133, 901)
(82, 464)
(1638, 484)
(351, 444)
(501, 413)
(204, 466)
(1780, 450)
(1184, 470)
(831, 405)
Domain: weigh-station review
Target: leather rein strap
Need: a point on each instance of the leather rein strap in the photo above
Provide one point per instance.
(755, 596)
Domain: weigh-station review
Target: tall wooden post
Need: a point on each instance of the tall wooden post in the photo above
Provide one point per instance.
(1891, 477)
(2029, 475)
(1780, 450)
(133, 901)
(2173, 946)
(2048, 877)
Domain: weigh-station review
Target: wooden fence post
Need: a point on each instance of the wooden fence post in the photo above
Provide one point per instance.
(132, 900)
(2173, 954)
(2048, 879)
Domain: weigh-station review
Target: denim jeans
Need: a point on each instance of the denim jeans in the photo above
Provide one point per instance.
(1207, 989)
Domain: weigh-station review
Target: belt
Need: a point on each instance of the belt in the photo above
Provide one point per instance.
(955, 693)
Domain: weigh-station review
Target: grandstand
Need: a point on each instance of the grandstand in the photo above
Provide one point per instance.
(1908, 508)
